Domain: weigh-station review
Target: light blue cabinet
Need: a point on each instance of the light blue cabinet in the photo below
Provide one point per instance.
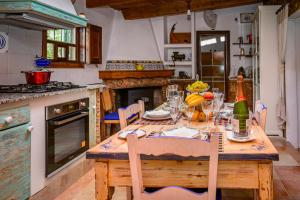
(15, 161)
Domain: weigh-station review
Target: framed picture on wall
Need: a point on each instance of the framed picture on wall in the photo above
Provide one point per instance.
(246, 17)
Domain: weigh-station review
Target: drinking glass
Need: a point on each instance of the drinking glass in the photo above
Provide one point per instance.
(174, 111)
(181, 96)
(207, 108)
(171, 91)
(189, 112)
(217, 104)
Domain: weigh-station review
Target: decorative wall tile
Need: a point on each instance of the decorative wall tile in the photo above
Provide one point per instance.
(130, 65)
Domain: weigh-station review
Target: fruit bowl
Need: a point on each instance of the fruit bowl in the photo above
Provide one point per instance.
(198, 91)
(197, 87)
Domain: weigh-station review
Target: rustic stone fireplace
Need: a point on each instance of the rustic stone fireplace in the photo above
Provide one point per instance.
(129, 85)
(128, 90)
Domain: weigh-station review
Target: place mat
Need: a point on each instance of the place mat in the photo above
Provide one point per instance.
(154, 122)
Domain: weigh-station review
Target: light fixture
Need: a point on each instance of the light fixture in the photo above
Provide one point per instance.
(188, 13)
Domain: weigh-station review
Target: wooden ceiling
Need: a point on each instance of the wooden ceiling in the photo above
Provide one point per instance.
(137, 9)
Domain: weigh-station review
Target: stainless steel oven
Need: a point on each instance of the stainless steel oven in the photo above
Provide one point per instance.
(67, 133)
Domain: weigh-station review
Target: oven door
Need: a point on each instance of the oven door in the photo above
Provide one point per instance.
(66, 138)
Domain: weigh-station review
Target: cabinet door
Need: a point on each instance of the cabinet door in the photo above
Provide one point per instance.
(95, 37)
(15, 163)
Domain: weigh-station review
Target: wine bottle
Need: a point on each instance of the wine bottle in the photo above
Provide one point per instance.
(240, 111)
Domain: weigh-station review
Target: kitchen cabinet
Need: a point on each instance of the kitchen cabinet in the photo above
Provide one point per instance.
(15, 143)
(94, 44)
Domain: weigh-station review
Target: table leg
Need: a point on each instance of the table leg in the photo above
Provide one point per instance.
(129, 193)
(102, 190)
(265, 176)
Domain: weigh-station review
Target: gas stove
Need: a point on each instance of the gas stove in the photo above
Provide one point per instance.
(27, 88)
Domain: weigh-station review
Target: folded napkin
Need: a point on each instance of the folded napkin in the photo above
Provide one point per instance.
(181, 132)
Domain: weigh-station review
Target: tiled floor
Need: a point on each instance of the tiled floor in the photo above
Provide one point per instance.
(286, 180)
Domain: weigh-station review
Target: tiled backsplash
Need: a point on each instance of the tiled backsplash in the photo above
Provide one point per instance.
(130, 65)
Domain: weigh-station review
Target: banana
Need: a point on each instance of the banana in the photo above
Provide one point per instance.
(189, 97)
(195, 101)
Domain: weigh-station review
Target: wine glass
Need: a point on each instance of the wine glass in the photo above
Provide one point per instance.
(207, 108)
(189, 111)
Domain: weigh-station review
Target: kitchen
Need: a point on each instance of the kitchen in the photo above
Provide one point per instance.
(119, 45)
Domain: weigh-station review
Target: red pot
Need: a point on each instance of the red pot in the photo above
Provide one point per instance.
(37, 77)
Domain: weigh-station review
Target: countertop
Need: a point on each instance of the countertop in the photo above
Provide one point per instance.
(6, 98)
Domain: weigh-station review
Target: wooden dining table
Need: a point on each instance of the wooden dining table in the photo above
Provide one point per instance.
(241, 165)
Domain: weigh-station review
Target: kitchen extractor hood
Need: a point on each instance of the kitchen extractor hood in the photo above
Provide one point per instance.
(32, 14)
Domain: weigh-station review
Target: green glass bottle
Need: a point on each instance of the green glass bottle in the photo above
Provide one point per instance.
(240, 111)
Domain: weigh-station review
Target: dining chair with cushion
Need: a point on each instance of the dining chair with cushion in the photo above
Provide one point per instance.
(170, 145)
(260, 114)
(131, 113)
(110, 118)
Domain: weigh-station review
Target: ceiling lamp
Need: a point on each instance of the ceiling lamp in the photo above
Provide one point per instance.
(188, 13)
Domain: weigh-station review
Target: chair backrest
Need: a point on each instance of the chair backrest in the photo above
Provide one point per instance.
(125, 113)
(178, 146)
(260, 114)
(106, 100)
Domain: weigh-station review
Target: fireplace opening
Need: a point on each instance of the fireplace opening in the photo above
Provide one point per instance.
(151, 96)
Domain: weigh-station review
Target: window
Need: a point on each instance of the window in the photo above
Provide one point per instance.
(62, 47)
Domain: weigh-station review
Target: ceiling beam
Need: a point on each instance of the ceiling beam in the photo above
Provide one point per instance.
(102, 3)
(179, 7)
(136, 9)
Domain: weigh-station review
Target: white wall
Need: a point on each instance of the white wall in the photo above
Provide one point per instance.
(292, 93)
(137, 39)
(22, 48)
(101, 17)
(226, 21)
(132, 40)
(269, 86)
(297, 50)
(24, 45)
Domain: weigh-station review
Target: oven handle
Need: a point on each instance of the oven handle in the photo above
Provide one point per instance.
(61, 122)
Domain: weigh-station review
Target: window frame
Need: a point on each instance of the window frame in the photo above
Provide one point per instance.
(63, 63)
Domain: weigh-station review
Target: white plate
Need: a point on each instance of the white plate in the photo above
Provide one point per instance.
(230, 136)
(229, 105)
(123, 134)
(183, 132)
(156, 118)
(157, 113)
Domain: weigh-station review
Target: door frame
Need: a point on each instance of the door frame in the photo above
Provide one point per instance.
(227, 52)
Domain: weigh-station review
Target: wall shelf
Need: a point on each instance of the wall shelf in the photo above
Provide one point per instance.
(171, 46)
(179, 63)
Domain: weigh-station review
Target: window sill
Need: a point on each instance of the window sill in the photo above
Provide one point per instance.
(66, 65)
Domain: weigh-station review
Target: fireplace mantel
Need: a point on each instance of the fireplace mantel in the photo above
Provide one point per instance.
(125, 74)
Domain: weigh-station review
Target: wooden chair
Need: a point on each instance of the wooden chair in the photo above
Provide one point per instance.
(177, 146)
(131, 113)
(108, 116)
(112, 118)
(260, 114)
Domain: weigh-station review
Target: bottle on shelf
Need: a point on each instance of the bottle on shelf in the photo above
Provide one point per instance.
(241, 123)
